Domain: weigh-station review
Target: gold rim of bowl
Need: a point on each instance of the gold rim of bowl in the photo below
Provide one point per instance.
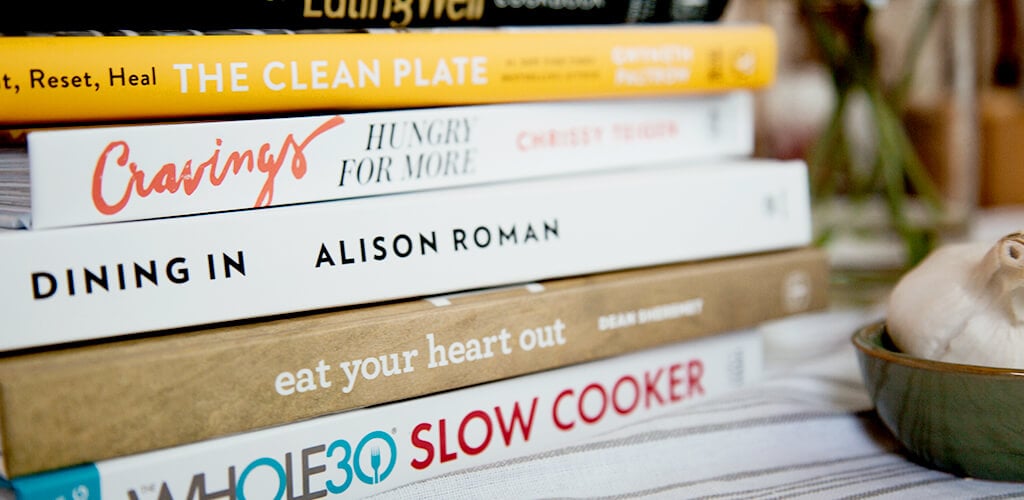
(868, 340)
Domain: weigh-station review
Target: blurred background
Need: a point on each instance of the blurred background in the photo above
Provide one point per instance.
(910, 114)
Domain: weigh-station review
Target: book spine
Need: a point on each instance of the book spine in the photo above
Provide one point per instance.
(303, 367)
(111, 15)
(87, 282)
(110, 174)
(96, 79)
(424, 437)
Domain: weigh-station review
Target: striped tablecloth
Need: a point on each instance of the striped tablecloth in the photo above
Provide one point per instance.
(807, 430)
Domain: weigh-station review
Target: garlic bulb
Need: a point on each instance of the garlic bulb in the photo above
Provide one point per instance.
(964, 303)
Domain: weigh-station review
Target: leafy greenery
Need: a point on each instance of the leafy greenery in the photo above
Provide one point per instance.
(842, 32)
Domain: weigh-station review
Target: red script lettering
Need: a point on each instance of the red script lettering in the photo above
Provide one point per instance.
(168, 179)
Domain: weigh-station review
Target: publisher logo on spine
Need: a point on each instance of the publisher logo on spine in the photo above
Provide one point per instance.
(370, 461)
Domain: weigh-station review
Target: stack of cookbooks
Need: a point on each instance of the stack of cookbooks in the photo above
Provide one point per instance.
(312, 264)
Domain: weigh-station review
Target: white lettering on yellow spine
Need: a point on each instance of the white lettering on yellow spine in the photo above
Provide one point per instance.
(459, 70)
(278, 76)
(316, 74)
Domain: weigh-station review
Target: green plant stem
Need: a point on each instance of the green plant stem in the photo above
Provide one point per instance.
(897, 168)
(898, 96)
(893, 159)
(829, 153)
(834, 52)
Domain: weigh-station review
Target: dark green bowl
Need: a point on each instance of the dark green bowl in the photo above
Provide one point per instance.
(963, 419)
